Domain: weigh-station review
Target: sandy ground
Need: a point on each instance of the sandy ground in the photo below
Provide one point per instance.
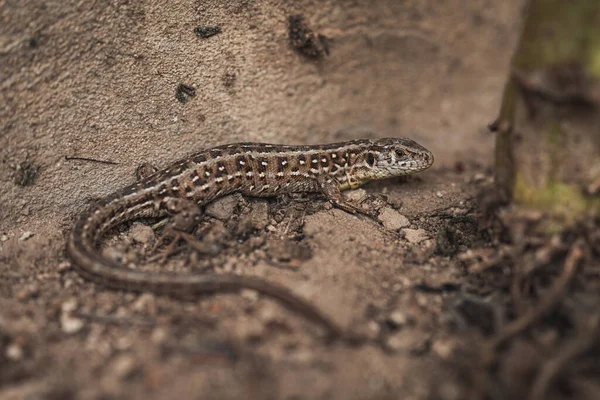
(98, 79)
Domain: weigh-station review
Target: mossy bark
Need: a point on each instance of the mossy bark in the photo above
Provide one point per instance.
(548, 143)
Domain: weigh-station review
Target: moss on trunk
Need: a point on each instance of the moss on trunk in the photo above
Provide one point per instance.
(548, 143)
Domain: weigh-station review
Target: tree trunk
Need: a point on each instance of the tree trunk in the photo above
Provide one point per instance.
(548, 130)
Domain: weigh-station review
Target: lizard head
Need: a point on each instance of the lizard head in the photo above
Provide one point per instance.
(389, 157)
(397, 156)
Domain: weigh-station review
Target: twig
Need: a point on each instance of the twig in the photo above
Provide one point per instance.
(548, 302)
(69, 158)
(554, 366)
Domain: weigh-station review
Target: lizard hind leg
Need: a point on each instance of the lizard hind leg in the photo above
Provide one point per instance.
(185, 217)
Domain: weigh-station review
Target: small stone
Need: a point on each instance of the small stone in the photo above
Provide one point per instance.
(479, 177)
(401, 341)
(123, 365)
(250, 330)
(143, 234)
(112, 253)
(70, 324)
(249, 294)
(25, 236)
(267, 312)
(374, 328)
(146, 303)
(415, 236)
(398, 319)
(439, 194)
(3, 238)
(14, 352)
(396, 202)
(159, 335)
(69, 305)
(259, 216)
(123, 343)
(223, 208)
(444, 348)
(355, 195)
(63, 266)
(28, 292)
(392, 219)
(207, 31)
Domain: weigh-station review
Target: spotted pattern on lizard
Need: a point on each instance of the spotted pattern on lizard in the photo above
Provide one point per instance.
(252, 169)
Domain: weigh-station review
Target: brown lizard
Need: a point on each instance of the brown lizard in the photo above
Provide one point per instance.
(253, 169)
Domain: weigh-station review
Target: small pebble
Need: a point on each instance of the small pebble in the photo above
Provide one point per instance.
(374, 327)
(69, 305)
(267, 312)
(259, 216)
(479, 177)
(271, 228)
(415, 236)
(392, 219)
(159, 335)
(396, 202)
(25, 236)
(146, 303)
(28, 292)
(398, 319)
(444, 349)
(223, 208)
(402, 341)
(439, 194)
(249, 294)
(123, 365)
(355, 195)
(143, 234)
(207, 31)
(70, 324)
(14, 352)
(63, 266)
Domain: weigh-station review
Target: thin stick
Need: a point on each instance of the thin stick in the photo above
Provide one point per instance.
(555, 365)
(69, 158)
(552, 298)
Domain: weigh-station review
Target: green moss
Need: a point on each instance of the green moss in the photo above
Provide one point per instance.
(554, 148)
(593, 65)
(555, 35)
(558, 198)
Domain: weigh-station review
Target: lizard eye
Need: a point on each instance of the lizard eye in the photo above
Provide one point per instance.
(370, 159)
(400, 153)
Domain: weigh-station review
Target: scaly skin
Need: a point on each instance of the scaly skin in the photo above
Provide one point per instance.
(252, 169)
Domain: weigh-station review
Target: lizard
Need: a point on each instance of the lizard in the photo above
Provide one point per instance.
(252, 169)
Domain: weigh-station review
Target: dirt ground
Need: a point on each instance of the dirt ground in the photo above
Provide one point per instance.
(98, 79)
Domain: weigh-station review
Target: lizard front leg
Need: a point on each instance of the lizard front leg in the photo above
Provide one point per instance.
(330, 188)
